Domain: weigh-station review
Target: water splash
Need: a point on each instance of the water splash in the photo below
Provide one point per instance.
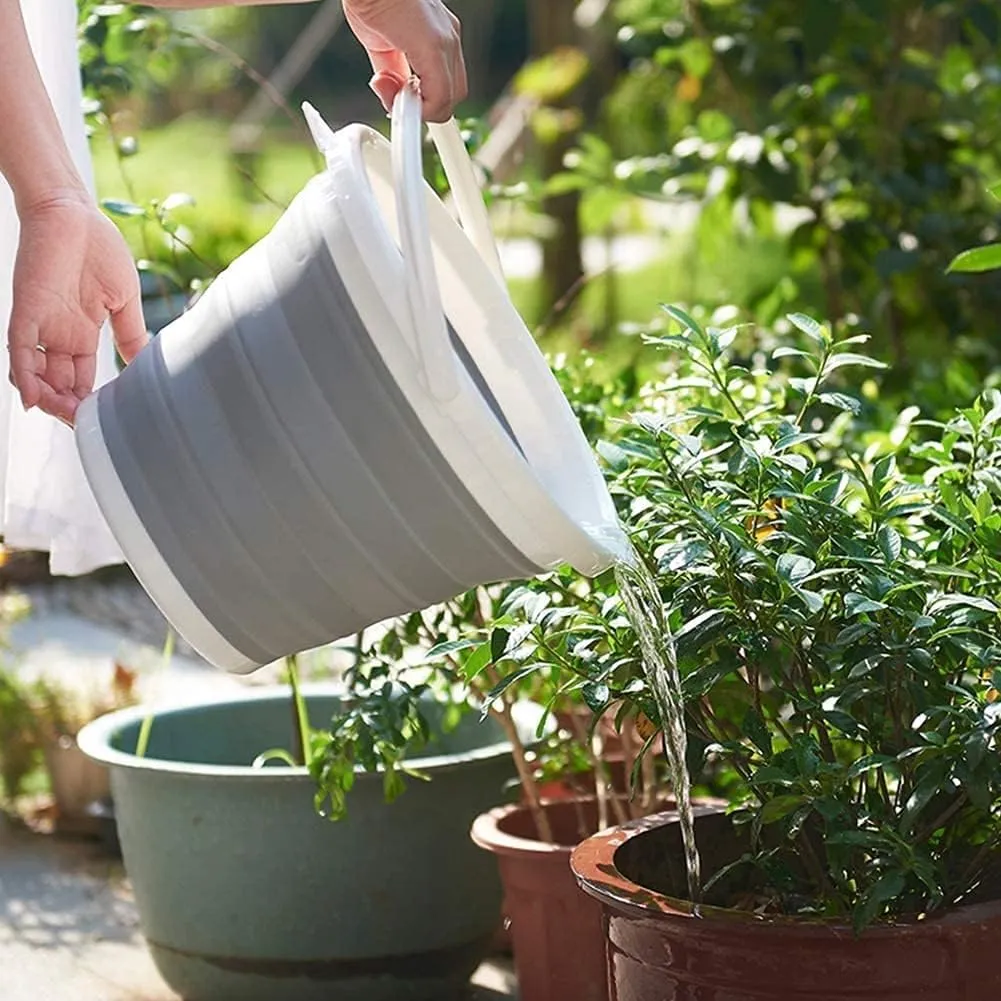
(646, 612)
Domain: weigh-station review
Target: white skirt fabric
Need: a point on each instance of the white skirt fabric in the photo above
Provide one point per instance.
(45, 503)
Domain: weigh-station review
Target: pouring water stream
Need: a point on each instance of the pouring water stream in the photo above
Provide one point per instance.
(645, 610)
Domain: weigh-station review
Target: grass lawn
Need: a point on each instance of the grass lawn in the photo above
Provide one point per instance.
(191, 156)
(692, 271)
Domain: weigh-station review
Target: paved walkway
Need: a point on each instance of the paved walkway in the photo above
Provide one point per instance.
(69, 929)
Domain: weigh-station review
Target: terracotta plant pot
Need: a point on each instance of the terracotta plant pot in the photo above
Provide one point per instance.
(657, 949)
(577, 785)
(559, 942)
(76, 783)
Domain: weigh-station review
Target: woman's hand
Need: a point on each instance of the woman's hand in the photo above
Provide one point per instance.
(412, 36)
(73, 272)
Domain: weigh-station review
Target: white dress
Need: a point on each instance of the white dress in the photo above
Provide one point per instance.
(45, 503)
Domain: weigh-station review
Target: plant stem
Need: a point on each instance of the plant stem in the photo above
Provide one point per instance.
(941, 820)
(142, 742)
(817, 870)
(525, 776)
(819, 378)
(649, 776)
(628, 735)
(300, 716)
(596, 754)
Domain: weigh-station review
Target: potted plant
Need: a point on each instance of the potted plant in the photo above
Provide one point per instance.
(506, 644)
(59, 713)
(829, 601)
(500, 645)
(244, 885)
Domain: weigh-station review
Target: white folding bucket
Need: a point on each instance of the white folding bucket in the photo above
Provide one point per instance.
(351, 423)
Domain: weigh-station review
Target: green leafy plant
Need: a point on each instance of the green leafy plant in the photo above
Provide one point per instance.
(453, 658)
(833, 611)
(854, 135)
(20, 753)
(979, 259)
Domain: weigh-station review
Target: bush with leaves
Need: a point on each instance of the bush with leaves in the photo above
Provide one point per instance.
(833, 612)
(421, 674)
(877, 120)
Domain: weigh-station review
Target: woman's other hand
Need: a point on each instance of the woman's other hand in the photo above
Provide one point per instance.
(73, 272)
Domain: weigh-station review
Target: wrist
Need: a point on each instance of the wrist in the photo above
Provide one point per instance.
(41, 193)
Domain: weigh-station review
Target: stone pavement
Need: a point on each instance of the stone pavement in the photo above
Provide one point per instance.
(69, 929)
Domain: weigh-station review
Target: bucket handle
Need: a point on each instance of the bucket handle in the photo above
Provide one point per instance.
(427, 315)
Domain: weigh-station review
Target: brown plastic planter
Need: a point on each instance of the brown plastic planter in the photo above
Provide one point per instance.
(657, 949)
(558, 938)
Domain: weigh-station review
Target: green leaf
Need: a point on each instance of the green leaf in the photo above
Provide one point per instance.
(274, 754)
(476, 662)
(842, 721)
(781, 806)
(617, 459)
(889, 543)
(987, 258)
(945, 601)
(929, 786)
(596, 695)
(869, 763)
(699, 682)
(754, 727)
(888, 887)
(856, 839)
(724, 338)
(849, 358)
(809, 326)
(498, 644)
(450, 647)
(813, 601)
(856, 604)
(841, 401)
(175, 201)
(794, 568)
(787, 352)
(696, 631)
(120, 208)
(853, 633)
(512, 679)
(676, 313)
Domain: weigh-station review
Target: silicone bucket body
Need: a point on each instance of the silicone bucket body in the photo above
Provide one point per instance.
(351, 423)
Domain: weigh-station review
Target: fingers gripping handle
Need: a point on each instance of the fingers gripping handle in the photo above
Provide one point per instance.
(423, 297)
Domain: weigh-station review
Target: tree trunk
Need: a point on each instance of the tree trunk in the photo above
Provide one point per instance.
(551, 25)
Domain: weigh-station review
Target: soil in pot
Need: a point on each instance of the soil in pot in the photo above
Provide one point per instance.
(658, 948)
(556, 931)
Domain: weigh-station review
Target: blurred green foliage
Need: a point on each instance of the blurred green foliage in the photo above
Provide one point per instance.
(877, 121)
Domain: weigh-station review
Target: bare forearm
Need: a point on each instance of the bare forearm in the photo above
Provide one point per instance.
(33, 155)
(199, 4)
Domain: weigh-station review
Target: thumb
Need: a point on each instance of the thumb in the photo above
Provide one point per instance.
(129, 328)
